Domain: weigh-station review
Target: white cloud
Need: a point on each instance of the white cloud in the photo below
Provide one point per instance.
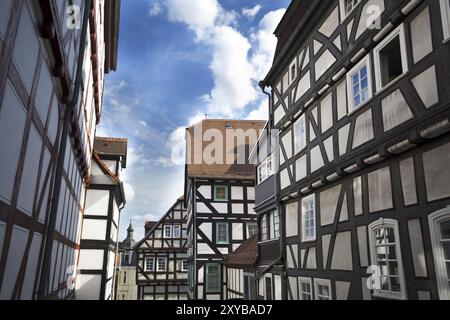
(251, 12)
(155, 8)
(261, 113)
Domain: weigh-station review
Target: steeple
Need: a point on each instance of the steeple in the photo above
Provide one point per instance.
(130, 231)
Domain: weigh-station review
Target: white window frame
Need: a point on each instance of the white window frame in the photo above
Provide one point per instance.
(276, 225)
(308, 281)
(322, 282)
(304, 237)
(167, 227)
(343, 9)
(435, 220)
(400, 32)
(264, 228)
(182, 265)
(158, 269)
(445, 13)
(264, 170)
(300, 140)
(176, 234)
(290, 78)
(350, 98)
(388, 223)
(248, 229)
(227, 197)
(145, 264)
(227, 226)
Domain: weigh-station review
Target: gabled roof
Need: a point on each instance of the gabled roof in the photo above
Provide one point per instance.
(154, 225)
(112, 147)
(245, 255)
(199, 168)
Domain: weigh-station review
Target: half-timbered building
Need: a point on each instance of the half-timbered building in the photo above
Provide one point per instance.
(360, 94)
(104, 200)
(53, 58)
(220, 197)
(125, 285)
(161, 272)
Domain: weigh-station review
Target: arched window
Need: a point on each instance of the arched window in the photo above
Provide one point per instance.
(386, 257)
(440, 238)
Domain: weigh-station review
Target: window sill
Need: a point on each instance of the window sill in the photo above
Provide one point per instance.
(390, 84)
(309, 240)
(388, 296)
(269, 241)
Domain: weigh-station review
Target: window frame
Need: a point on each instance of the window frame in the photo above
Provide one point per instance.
(435, 219)
(263, 171)
(322, 282)
(343, 9)
(145, 264)
(167, 227)
(400, 32)
(291, 79)
(264, 228)
(269, 279)
(303, 280)
(310, 238)
(218, 225)
(445, 15)
(299, 146)
(183, 266)
(276, 225)
(216, 199)
(219, 278)
(349, 78)
(388, 223)
(165, 264)
(176, 227)
(250, 224)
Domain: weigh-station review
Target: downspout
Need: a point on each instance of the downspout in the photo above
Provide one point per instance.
(45, 272)
(116, 277)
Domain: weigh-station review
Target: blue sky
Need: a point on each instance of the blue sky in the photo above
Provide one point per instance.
(180, 60)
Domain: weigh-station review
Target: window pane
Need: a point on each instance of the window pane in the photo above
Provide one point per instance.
(385, 283)
(445, 230)
(390, 235)
(448, 270)
(395, 284)
(391, 61)
(393, 268)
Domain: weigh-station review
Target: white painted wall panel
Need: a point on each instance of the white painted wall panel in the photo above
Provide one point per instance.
(30, 172)
(237, 208)
(12, 123)
(426, 86)
(91, 259)
(16, 250)
(421, 35)
(237, 193)
(88, 287)
(238, 231)
(32, 268)
(250, 193)
(323, 63)
(94, 229)
(292, 219)
(26, 48)
(97, 202)
(205, 191)
(44, 93)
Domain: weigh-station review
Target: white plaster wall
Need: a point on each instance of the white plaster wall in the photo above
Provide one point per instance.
(88, 287)
(91, 259)
(94, 229)
(97, 202)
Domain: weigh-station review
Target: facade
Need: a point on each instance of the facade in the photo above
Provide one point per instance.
(240, 270)
(43, 156)
(104, 200)
(161, 271)
(126, 288)
(220, 197)
(363, 186)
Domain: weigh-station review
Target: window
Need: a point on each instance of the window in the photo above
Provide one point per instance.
(127, 257)
(167, 231)
(359, 85)
(162, 264)
(222, 233)
(268, 288)
(265, 170)
(322, 289)
(176, 231)
(347, 6)
(309, 219)
(264, 230)
(249, 287)
(149, 264)
(124, 277)
(213, 278)
(386, 255)
(276, 224)
(440, 237)
(293, 72)
(305, 289)
(390, 58)
(220, 193)
(445, 10)
(252, 229)
(184, 265)
(300, 134)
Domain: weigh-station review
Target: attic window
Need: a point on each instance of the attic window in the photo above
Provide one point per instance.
(229, 125)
